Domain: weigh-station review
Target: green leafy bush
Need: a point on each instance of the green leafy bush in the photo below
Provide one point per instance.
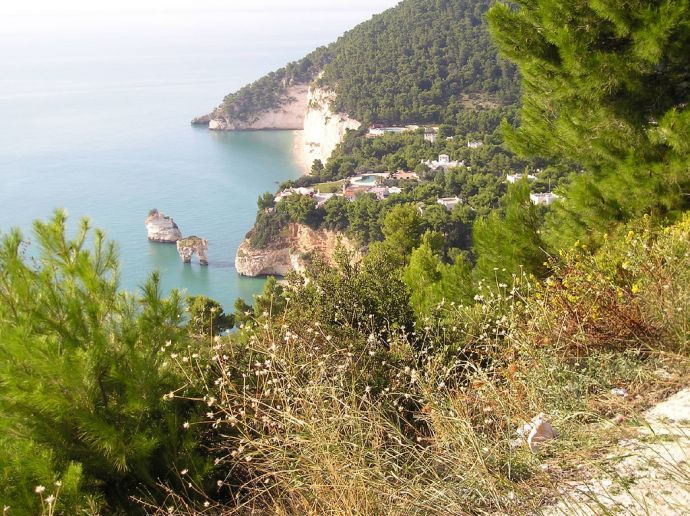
(206, 317)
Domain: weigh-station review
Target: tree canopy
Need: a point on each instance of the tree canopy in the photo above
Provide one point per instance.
(605, 84)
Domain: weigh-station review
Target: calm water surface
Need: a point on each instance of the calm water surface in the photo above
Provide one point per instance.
(95, 119)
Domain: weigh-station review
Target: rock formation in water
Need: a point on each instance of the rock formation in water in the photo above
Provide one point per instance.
(161, 228)
(291, 251)
(191, 245)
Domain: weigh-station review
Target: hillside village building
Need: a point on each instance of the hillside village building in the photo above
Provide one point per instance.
(514, 178)
(323, 198)
(449, 202)
(430, 135)
(544, 199)
(406, 176)
(378, 130)
(443, 162)
(293, 191)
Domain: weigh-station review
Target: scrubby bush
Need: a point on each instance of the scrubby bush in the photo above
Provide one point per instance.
(206, 317)
(334, 404)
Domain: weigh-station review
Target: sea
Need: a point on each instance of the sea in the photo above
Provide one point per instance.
(94, 119)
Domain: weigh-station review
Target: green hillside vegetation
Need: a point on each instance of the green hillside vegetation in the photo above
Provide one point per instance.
(480, 184)
(395, 383)
(422, 61)
(270, 91)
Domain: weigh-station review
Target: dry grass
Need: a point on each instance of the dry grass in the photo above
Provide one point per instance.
(313, 418)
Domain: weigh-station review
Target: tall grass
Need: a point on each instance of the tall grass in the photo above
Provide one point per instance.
(311, 417)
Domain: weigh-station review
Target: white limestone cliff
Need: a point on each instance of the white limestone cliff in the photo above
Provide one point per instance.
(307, 109)
(323, 129)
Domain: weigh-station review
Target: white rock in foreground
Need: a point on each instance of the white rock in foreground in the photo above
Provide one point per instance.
(541, 432)
(161, 228)
(641, 476)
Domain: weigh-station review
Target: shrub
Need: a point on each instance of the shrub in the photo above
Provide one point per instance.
(206, 317)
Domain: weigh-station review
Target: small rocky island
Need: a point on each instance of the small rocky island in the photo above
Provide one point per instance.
(187, 247)
(161, 228)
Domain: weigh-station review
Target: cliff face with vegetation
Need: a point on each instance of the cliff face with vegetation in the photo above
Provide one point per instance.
(289, 113)
(292, 251)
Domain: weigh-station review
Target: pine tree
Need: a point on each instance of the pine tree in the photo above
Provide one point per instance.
(402, 228)
(83, 367)
(431, 281)
(606, 84)
(508, 242)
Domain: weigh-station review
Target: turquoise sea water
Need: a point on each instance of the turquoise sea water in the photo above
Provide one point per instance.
(94, 118)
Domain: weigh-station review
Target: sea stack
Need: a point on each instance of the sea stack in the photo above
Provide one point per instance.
(186, 248)
(161, 228)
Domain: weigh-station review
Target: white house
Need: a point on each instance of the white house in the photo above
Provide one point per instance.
(430, 135)
(474, 144)
(545, 199)
(322, 198)
(514, 178)
(449, 202)
(381, 192)
(443, 162)
(375, 131)
(293, 191)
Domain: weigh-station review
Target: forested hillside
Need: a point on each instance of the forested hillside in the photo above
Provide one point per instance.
(420, 62)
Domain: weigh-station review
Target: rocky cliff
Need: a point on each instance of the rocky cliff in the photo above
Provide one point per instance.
(290, 252)
(323, 129)
(289, 115)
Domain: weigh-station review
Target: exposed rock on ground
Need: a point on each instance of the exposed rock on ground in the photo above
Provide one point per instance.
(161, 228)
(290, 252)
(541, 432)
(649, 474)
(189, 246)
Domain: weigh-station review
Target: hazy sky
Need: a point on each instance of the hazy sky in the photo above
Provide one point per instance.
(72, 7)
(39, 17)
